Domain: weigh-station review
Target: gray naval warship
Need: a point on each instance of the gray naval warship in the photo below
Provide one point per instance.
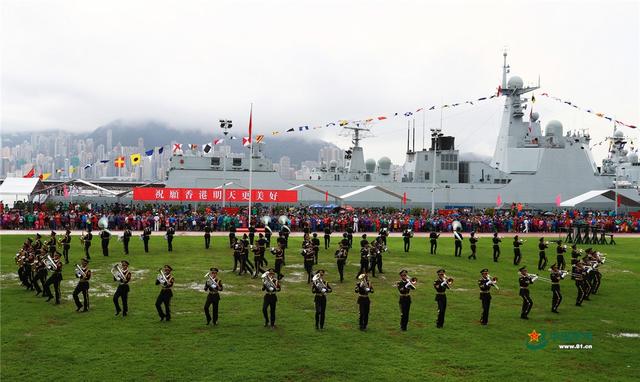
(530, 166)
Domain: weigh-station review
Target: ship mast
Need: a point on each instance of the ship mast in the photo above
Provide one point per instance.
(355, 154)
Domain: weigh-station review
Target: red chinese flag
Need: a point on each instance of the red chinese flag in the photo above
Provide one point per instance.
(326, 196)
(519, 207)
(251, 124)
(404, 198)
(619, 201)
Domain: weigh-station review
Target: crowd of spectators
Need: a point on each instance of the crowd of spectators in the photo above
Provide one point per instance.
(185, 218)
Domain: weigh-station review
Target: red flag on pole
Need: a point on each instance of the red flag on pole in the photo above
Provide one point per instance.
(519, 207)
(326, 196)
(251, 124)
(619, 201)
(65, 190)
(498, 201)
(558, 200)
(31, 173)
(404, 198)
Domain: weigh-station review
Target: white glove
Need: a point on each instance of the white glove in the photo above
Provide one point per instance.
(367, 289)
(324, 290)
(270, 289)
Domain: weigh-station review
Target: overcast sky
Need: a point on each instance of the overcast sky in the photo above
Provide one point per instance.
(77, 65)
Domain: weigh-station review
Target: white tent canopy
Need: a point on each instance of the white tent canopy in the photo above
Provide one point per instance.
(609, 194)
(314, 188)
(15, 189)
(371, 187)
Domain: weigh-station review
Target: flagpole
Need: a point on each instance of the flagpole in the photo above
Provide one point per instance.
(250, 163)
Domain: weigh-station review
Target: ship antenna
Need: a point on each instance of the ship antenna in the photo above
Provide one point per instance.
(505, 68)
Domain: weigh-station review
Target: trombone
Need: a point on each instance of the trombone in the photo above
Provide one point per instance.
(533, 277)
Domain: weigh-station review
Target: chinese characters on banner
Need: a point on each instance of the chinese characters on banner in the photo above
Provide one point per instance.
(214, 195)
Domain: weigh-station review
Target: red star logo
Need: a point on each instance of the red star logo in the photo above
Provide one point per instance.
(534, 336)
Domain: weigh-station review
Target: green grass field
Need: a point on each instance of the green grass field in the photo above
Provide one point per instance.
(42, 341)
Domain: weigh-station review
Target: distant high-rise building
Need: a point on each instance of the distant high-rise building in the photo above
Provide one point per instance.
(109, 140)
(329, 153)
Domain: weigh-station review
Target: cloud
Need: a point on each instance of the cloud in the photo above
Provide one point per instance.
(78, 65)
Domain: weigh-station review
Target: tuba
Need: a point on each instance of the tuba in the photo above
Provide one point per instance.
(268, 282)
(211, 282)
(265, 220)
(50, 264)
(79, 272)
(103, 223)
(162, 279)
(320, 284)
(117, 273)
(456, 225)
(283, 219)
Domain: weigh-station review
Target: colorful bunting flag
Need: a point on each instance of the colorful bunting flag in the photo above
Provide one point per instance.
(88, 166)
(45, 176)
(119, 162)
(259, 138)
(31, 173)
(161, 150)
(301, 128)
(218, 141)
(246, 141)
(148, 153)
(135, 159)
(206, 148)
(177, 147)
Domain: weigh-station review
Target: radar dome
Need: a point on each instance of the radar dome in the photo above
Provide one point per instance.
(515, 82)
(384, 164)
(534, 116)
(333, 163)
(370, 164)
(554, 128)
(618, 134)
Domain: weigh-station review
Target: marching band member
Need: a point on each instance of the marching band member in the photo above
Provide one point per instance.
(560, 250)
(252, 233)
(364, 241)
(213, 286)
(40, 276)
(232, 236)
(433, 239)
(37, 244)
(169, 235)
(457, 236)
(517, 253)
(578, 274)
(52, 244)
(384, 232)
(472, 244)
(485, 283)
(307, 254)
(406, 238)
(363, 289)
(405, 285)
(496, 247)
(575, 254)
(258, 254)
(542, 255)
(350, 236)
(278, 252)
(282, 242)
(207, 235)
(126, 237)
(320, 288)
(441, 285)
(327, 237)
(245, 264)
(271, 286)
(555, 277)
(104, 237)
(123, 277)
(165, 280)
(238, 248)
(54, 279)
(315, 246)
(364, 258)
(146, 235)
(86, 240)
(379, 246)
(527, 303)
(341, 259)
(66, 245)
(84, 274)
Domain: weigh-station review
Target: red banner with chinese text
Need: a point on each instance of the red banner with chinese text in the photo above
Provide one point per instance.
(214, 195)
